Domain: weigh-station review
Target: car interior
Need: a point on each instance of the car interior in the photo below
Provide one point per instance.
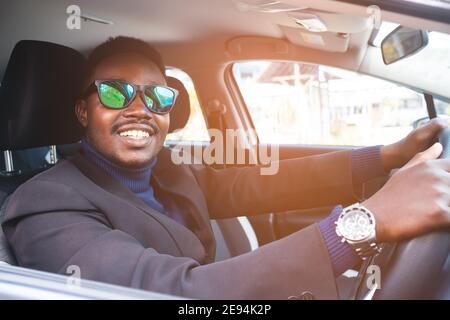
(208, 41)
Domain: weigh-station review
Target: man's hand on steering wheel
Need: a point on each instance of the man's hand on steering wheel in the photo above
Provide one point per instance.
(416, 199)
(397, 154)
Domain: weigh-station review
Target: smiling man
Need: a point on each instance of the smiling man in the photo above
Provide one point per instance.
(123, 213)
(133, 136)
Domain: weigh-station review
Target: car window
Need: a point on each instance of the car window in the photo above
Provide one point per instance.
(301, 103)
(195, 129)
(442, 108)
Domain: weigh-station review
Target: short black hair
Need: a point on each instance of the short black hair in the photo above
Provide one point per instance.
(120, 45)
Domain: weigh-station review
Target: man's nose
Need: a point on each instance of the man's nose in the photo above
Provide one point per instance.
(137, 108)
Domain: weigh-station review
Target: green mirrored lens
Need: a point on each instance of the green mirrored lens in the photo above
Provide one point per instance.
(115, 94)
(164, 98)
(148, 101)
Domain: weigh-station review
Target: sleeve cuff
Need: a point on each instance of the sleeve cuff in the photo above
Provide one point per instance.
(366, 165)
(342, 255)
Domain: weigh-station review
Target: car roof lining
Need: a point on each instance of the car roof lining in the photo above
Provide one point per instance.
(200, 35)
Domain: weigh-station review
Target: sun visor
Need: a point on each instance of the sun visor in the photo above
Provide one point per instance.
(326, 41)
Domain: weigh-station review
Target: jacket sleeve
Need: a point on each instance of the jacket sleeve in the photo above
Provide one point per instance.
(52, 237)
(314, 181)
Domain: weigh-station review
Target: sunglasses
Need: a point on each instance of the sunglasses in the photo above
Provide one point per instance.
(119, 94)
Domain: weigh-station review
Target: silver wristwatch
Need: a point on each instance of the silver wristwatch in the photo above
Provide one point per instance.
(356, 226)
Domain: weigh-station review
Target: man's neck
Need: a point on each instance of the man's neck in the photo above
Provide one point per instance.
(137, 180)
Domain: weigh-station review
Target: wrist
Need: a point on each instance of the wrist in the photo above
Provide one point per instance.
(380, 229)
(389, 156)
(341, 254)
(393, 156)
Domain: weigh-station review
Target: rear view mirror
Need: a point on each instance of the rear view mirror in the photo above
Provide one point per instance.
(401, 43)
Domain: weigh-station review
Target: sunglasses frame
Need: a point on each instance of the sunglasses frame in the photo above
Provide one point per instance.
(95, 86)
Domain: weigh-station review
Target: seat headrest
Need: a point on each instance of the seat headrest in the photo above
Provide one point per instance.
(179, 116)
(37, 96)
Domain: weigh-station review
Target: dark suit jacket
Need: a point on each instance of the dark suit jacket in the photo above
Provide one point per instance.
(76, 214)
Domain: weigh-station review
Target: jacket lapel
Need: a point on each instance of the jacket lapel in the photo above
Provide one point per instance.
(171, 179)
(108, 183)
(179, 182)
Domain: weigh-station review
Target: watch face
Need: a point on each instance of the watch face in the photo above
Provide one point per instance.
(356, 225)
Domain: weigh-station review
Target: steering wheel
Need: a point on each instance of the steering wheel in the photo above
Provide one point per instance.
(412, 269)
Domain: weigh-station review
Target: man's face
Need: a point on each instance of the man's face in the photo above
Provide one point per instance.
(103, 125)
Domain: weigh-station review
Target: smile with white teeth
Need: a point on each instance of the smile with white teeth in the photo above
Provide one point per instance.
(135, 134)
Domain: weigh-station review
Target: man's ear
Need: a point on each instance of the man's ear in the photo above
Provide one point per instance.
(81, 112)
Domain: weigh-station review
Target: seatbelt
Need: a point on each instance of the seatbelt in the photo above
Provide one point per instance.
(214, 113)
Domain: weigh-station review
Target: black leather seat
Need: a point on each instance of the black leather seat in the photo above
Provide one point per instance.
(39, 88)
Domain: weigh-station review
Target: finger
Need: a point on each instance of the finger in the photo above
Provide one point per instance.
(431, 129)
(446, 180)
(431, 153)
(446, 206)
(437, 124)
(444, 164)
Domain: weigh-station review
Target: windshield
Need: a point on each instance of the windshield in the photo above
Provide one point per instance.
(432, 64)
(434, 60)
